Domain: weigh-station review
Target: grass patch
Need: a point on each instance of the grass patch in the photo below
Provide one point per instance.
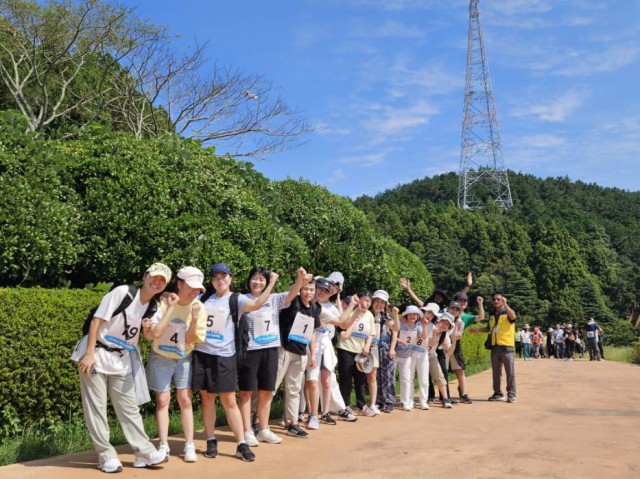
(620, 354)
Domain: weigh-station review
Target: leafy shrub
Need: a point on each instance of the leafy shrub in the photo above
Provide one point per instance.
(40, 327)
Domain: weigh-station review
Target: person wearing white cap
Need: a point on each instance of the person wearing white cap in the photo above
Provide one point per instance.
(106, 369)
(175, 329)
(410, 356)
(387, 328)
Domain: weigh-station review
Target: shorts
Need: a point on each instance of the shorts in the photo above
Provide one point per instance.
(214, 374)
(161, 371)
(457, 359)
(259, 370)
(313, 373)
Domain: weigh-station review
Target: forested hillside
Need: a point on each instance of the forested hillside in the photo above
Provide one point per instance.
(566, 251)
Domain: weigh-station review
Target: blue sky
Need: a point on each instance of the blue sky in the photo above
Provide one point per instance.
(383, 82)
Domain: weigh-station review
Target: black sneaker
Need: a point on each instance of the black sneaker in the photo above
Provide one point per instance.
(327, 419)
(243, 451)
(465, 399)
(388, 408)
(212, 448)
(496, 397)
(511, 399)
(295, 431)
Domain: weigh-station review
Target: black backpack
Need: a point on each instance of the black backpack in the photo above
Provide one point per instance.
(240, 323)
(124, 304)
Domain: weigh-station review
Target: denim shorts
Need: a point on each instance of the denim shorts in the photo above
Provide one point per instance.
(162, 370)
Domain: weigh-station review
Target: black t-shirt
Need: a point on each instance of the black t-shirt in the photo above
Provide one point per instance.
(288, 315)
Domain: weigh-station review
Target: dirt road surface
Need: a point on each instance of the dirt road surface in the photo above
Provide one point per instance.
(575, 419)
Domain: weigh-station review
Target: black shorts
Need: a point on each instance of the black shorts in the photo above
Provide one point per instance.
(214, 374)
(259, 369)
(459, 358)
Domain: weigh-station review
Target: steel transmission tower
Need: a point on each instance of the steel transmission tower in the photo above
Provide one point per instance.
(482, 172)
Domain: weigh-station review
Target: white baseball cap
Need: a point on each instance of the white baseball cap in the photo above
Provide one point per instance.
(192, 276)
(381, 294)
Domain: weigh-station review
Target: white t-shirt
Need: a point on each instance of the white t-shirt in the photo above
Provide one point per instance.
(220, 337)
(266, 321)
(114, 333)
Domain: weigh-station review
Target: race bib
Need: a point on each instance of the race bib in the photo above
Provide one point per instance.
(264, 329)
(173, 339)
(420, 344)
(216, 322)
(362, 329)
(302, 329)
(119, 336)
(591, 334)
(408, 337)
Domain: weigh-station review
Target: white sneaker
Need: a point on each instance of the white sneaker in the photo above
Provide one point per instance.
(163, 446)
(155, 458)
(424, 405)
(267, 435)
(190, 452)
(111, 465)
(313, 422)
(250, 439)
(375, 409)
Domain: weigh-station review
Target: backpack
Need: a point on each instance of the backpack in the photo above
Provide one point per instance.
(124, 304)
(241, 335)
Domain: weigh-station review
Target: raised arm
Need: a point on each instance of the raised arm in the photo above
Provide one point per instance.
(480, 317)
(302, 279)
(406, 284)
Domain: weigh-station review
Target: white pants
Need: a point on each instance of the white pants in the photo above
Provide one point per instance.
(407, 368)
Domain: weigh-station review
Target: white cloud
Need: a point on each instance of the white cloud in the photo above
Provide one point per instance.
(542, 141)
(326, 129)
(338, 175)
(389, 120)
(557, 110)
(365, 160)
(389, 29)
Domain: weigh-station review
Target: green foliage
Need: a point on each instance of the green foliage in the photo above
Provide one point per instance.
(565, 252)
(40, 328)
(38, 225)
(635, 353)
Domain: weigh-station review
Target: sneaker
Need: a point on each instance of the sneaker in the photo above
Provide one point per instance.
(511, 399)
(212, 448)
(155, 458)
(283, 422)
(163, 446)
(250, 439)
(424, 406)
(327, 419)
(190, 452)
(447, 404)
(431, 401)
(496, 397)
(367, 411)
(376, 410)
(313, 423)
(301, 417)
(465, 399)
(295, 431)
(243, 451)
(347, 415)
(111, 465)
(388, 408)
(267, 435)
(407, 407)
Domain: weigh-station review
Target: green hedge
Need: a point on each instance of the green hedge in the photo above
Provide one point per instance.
(39, 329)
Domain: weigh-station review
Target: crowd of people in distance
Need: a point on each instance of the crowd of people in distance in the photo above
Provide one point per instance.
(563, 342)
(319, 346)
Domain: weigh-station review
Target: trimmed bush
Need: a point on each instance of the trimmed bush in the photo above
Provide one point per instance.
(40, 328)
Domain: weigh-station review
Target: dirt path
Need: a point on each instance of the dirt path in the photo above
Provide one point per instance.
(575, 419)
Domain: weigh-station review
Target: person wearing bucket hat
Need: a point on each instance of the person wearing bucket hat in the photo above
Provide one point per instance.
(456, 360)
(355, 339)
(387, 327)
(215, 360)
(410, 357)
(502, 329)
(440, 347)
(111, 367)
(174, 330)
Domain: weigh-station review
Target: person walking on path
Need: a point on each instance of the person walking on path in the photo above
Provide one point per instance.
(592, 328)
(502, 327)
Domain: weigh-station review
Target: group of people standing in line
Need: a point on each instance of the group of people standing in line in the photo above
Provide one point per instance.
(563, 342)
(209, 339)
